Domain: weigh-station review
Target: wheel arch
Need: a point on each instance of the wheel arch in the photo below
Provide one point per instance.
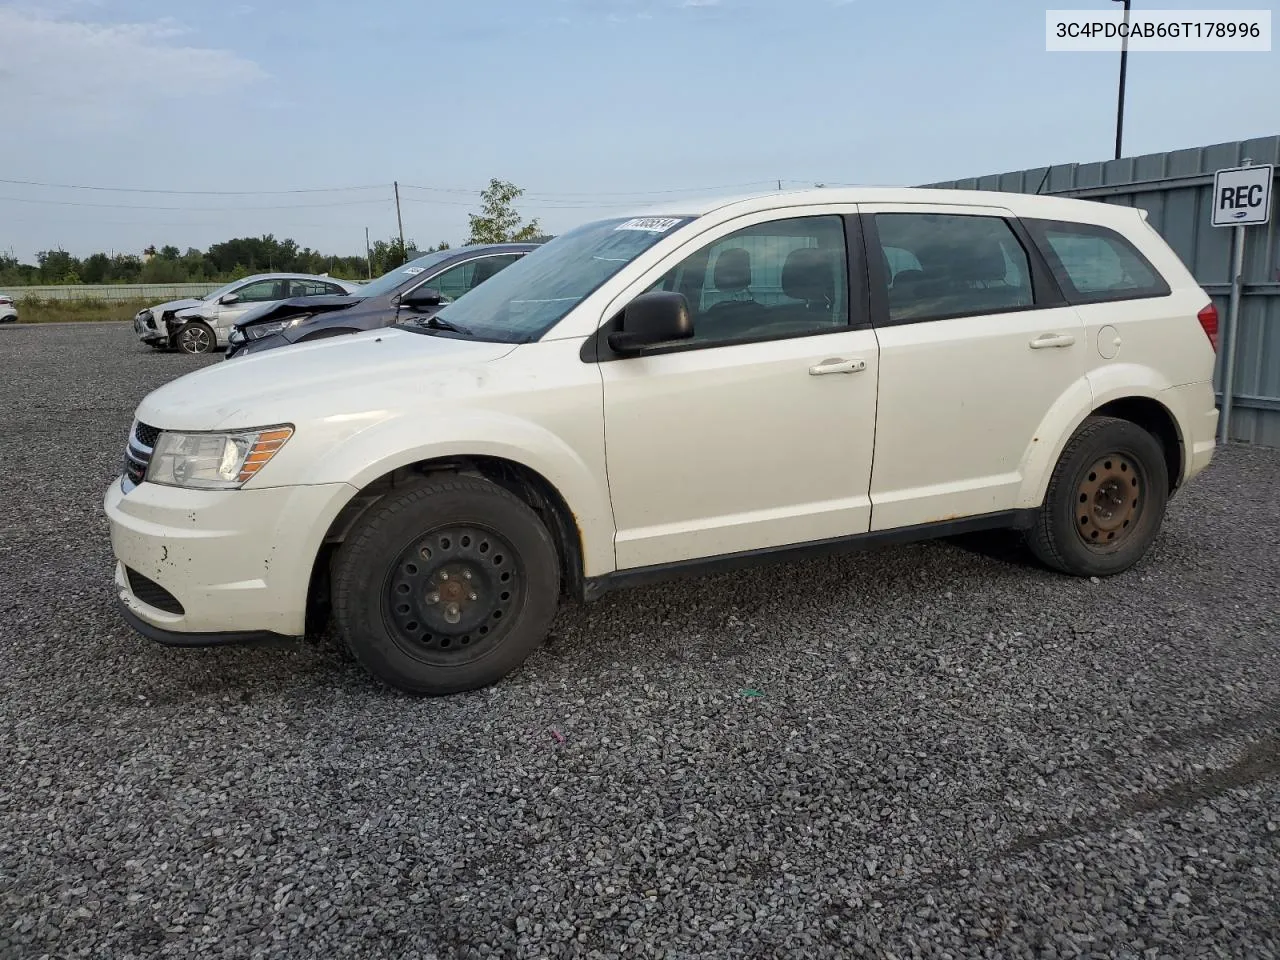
(1127, 391)
(521, 480)
(1158, 420)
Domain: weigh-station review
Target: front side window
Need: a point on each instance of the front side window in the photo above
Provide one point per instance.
(951, 265)
(458, 280)
(1094, 264)
(528, 298)
(784, 277)
(261, 291)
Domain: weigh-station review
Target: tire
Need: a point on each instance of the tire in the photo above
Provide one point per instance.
(446, 587)
(195, 337)
(1106, 500)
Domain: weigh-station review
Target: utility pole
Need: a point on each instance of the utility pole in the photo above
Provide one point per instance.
(368, 253)
(1124, 73)
(401, 221)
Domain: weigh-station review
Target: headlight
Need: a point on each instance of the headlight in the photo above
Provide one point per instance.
(214, 461)
(259, 330)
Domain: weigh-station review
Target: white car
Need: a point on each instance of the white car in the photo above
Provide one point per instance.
(203, 324)
(650, 396)
(8, 309)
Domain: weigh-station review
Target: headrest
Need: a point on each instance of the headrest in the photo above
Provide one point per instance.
(733, 270)
(809, 275)
(982, 260)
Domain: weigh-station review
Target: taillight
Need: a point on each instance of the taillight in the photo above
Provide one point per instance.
(1208, 318)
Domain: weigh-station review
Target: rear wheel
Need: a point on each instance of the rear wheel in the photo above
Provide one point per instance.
(446, 587)
(1106, 500)
(196, 336)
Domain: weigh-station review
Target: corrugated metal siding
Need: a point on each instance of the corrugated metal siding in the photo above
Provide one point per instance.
(1176, 190)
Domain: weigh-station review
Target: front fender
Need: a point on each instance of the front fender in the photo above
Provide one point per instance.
(576, 474)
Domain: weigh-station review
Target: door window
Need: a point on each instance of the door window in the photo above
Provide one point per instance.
(261, 291)
(781, 278)
(313, 288)
(1093, 264)
(458, 280)
(947, 265)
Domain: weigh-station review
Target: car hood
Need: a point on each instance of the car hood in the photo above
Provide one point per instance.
(175, 305)
(339, 377)
(284, 309)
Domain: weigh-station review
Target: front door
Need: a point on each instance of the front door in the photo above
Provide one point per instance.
(249, 296)
(758, 433)
(976, 349)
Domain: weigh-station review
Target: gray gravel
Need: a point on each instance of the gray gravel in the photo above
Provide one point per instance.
(934, 751)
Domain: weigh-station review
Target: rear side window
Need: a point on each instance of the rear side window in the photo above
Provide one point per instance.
(1093, 264)
(951, 265)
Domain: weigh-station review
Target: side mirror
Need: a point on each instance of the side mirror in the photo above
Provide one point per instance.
(652, 318)
(229, 298)
(422, 297)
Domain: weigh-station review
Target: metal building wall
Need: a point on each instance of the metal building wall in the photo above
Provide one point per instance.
(1176, 190)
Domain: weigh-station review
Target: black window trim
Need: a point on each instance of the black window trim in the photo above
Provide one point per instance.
(596, 349)
(1045, 292)
(1035, 227)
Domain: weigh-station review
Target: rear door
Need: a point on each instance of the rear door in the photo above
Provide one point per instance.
(976, 347)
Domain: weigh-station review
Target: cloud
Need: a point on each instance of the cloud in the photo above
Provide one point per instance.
(68, 69)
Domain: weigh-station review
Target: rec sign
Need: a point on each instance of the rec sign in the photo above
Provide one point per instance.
(1242, 196)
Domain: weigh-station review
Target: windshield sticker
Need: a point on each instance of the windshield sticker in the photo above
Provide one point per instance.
(649, 224)
(414, 271)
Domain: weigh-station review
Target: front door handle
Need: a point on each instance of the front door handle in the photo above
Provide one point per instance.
(1047, 340)
(837, 366)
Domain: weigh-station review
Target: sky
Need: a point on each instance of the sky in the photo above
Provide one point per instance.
(593, 107)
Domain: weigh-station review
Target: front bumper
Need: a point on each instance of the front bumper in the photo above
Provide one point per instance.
(244, 347)
(145, 328)
(237, 562)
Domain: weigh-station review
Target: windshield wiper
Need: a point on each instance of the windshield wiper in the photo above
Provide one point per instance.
(435, 323)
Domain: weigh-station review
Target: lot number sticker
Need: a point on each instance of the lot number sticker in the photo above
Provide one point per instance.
(1242, 196)
(649, 224)
(414, 271)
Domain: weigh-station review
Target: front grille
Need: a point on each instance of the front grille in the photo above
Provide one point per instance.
(137, 454)
(151, 593)
(147, 436)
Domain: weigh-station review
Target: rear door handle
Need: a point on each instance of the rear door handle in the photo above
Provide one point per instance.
(837, 366)
(1048, 340)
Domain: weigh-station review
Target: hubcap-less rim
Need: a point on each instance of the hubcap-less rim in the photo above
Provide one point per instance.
(195, 340)
(1109, 501)
(451, 595)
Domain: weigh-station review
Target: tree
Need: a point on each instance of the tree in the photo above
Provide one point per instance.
(498, 221)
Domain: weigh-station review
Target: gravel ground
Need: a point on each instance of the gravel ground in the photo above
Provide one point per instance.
(934, 751)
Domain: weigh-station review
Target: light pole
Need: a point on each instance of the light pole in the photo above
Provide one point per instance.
(1124, 72)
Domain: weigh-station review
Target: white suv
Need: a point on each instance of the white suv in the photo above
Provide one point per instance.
(644, 397)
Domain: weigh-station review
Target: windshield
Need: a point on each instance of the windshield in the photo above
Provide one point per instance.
(222, 291)
(389, 282)
(532, 295)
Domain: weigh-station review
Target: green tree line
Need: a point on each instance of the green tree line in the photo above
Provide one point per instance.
(497, 222)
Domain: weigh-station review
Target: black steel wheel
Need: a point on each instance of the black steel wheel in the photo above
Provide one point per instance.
(451, 595)
(1106, 500)
(447, 586)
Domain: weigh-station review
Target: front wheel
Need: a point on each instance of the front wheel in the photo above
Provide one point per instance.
(446, 587)
(196, 337)
(1106, 500)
